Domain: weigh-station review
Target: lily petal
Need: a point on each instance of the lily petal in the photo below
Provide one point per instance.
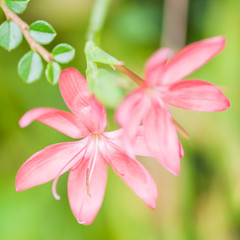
(155, 65)
(84, 205)
(129, 115)
(45, 165)
(62, 121)
(139, 145)
(96, 116)
(192, 57)
(74, 89)
(196, 95)
(181, 151)
(132, 173)
(161, 137)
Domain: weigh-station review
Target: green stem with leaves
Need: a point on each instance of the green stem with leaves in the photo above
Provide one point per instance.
(47, 56)
(96, 24)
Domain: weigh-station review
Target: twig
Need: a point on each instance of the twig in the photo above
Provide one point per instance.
(130, 74)
(25, 31)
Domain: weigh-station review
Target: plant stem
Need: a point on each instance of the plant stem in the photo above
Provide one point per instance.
(97, 20)
(25, 31)
(133, 76)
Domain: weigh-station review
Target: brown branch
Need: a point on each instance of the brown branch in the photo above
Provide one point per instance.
(133, 76)
(25, 31)
(130, 74)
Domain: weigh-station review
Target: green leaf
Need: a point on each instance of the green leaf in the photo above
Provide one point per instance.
(91, 74)
(108, 88)
(95, 54)
(52, 72)
(10, 35)
(63, 53)
(42, 32)
(17, 6)
(30, 67)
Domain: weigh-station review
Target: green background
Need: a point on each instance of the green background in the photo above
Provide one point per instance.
(203, 202)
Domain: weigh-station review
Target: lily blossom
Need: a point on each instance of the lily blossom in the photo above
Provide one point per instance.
(147, 105)
(86, 159)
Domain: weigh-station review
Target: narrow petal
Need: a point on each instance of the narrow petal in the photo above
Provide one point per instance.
(62, 121)
(132, 173)
(155, 65)
(181, 151)
(129, 115)
(139, 144)
(192, 57)
(127, 105)
(196, 95)
(45, 165)
(96, 116)
(161, 137)
(74, 89)
(85, 205)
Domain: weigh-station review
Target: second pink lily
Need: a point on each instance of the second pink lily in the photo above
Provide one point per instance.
(147, 105)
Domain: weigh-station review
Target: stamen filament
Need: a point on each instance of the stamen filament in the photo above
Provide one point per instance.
(91, 164)
(54, 185)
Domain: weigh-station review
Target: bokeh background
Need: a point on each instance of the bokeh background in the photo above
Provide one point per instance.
(203, 202)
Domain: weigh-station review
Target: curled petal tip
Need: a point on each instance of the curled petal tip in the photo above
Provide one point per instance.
(80, 222)
(54, 191)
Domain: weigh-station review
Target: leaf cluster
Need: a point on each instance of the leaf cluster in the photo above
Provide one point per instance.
(30, 66)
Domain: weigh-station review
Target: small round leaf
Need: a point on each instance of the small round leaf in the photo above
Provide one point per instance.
(10, 35)
(42, 32)
(17, 6)
(52, 72)
(30, 67)
(63, 53)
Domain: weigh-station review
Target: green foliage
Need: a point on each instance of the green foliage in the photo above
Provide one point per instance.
(52, 72)
(96, 54)
(42, 32)
(30, 67)
(10, 35)
(17, 6)
(63, 53)
(91, 73)
(108, 88)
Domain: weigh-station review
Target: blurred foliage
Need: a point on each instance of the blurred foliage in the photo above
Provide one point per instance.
(203, 202)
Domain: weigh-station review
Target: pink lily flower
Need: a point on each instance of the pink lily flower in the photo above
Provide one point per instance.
(86, 159)
(147, 105)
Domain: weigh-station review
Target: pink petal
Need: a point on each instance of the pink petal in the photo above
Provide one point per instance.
(132, 173)
(45, 165)
(74, 90)
(96, 116)
(155, 65)
(191, 58)
(62, 121)
(181, 151)
(161, 137)
(129, 115)
(196, 95)
(139, 145)
(85, 207)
